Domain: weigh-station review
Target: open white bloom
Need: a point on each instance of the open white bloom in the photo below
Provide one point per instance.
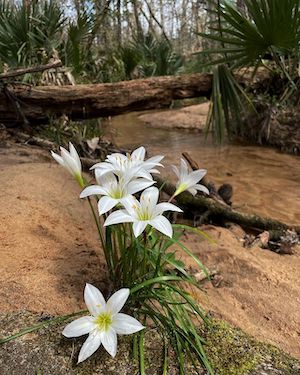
(104, 323)
(145, 212)
(114, 191)
(71, 161)
(189, 181)
(130, 166)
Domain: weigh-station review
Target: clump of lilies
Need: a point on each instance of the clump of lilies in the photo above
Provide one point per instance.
(136, 237)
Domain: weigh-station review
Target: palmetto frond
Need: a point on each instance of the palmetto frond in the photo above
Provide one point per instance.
(149, 56)
(28, 35)
(273, 27)
(268, 30)
(77, 33)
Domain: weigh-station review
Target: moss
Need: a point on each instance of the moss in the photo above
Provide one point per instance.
(229, 350)
(232, 352)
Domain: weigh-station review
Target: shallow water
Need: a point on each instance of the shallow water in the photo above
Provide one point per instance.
(264, 180)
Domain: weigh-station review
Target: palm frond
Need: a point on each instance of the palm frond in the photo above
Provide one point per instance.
(273, 27)
(228, 103)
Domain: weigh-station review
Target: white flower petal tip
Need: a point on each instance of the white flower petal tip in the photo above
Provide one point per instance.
(104, 323)
(70, 161)
(189, 181)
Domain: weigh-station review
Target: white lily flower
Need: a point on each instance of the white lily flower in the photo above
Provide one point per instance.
(130, 166)
(71, 161)
(189, 181)
(145, 212)
(114, 191)
(104, 323)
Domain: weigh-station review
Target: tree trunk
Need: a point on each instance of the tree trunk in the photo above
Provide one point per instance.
(36, 104)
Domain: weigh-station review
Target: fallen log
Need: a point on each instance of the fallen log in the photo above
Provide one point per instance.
(216, 208)
(37, 104)
(224, 211)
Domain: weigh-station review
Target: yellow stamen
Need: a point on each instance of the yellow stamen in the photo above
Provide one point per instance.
(103, 321)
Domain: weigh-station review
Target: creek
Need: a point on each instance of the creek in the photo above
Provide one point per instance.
(265, 181)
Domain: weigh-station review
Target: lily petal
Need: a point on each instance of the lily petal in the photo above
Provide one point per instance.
(109, 341)
(165, 206)
(149, 197)
(89, 347)
(143, 173)
(79, 327)
(75, 156)
(139, 153)
(117, 300)
(92, 190)
(131, 204)
(175, 170)
(138, 185)
(154, 171)
(70, 163)
(139, 227)
(105, 204)
(162, 224)
(184, 169)
(117, 217)
(192, 190)
(124, 324)
(155, 161)
(94, 299)
(58, 158)
(195, 177)
(202, 188)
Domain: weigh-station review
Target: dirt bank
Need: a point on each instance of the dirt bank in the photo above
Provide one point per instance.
(192, 117)
(49, 250)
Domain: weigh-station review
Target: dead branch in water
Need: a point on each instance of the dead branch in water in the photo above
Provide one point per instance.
(224, 211)
(216, 208)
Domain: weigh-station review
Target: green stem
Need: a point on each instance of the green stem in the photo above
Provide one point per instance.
(157, 266)
(103, 244)
(165, 365)
(142, 354)
(135, 348)
(97, 224)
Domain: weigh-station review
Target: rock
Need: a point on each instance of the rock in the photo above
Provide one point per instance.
(47, 352)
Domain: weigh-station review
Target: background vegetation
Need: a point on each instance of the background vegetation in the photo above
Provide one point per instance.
(113, 40)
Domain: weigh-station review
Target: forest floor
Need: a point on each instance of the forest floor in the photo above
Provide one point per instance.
(49, 250)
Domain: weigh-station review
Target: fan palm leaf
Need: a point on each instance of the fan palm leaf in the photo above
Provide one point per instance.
(272, 28)
(269, 29)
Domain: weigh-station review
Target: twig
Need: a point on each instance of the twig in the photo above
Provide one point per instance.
(32, 69)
